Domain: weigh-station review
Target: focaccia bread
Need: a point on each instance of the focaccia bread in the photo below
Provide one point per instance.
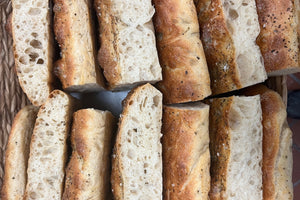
(137, 154)
(228, 31)
(88, 172)
(277, 160)
(236, 148)
(77, 69)
(186, 157)
(17, 153)
(181, 55)
(278, 38)
(47, 158)
(33, 48)
(128, 52)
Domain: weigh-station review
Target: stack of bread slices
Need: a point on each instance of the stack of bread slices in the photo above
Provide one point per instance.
(198, 122)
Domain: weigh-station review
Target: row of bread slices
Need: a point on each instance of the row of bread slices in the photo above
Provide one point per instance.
(236, 147)
(240, 40)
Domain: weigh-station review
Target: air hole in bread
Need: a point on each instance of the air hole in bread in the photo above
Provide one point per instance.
(39, 4)
(36, 44)
(130, 102)
(249, 22)
(233, 14)
(23, 60)
(135, 119)
(27, 70)
(34, 11)
(156, 100)
(18, 6)
(131, 154)
(33, 56)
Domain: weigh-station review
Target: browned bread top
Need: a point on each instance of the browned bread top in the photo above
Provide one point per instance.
(278, 36)
(73, 27)
(219, 48)
(17, 153)
(185, 73)
(186, 154)
(88, 172)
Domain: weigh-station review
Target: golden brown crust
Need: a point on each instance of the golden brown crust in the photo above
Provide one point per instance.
(80, 178)
(18, 146)
(72, 70)
(218, 46)
(278, 36)
(219, 145)
(185, 73)
(186, 153)
(108, 57)
(274, 120)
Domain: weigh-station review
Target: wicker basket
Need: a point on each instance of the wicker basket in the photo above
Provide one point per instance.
(12, 98)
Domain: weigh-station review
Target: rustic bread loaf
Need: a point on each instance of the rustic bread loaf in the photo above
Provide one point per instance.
(278, 39)
(236, 148)
(137, 159)
(48, 147)
(17, 153)
(73, 27)
(277, 160)
(185, 73)
(228, 31)
(186, 157)
(33, 48)
(128, 52)
(88, 172)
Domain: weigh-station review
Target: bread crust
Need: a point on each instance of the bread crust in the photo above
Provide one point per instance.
(277, 177)
(220, 154)
(185, 73)
(88, 172)
(108, 56)
(219, 47)
(186, 154)
(77, 69)
(17, 153)
(278, 36)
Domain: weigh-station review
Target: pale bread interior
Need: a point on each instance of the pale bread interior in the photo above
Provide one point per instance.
(140, 147)
(244, 175)
(33, 48)
(136, 42)
(242, 22)
(47, 157)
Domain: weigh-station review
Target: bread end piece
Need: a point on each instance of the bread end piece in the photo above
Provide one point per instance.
(137, 159)
(17, 153)
(88, 172)
(33, 48)
(186, 153)
(277, 145)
